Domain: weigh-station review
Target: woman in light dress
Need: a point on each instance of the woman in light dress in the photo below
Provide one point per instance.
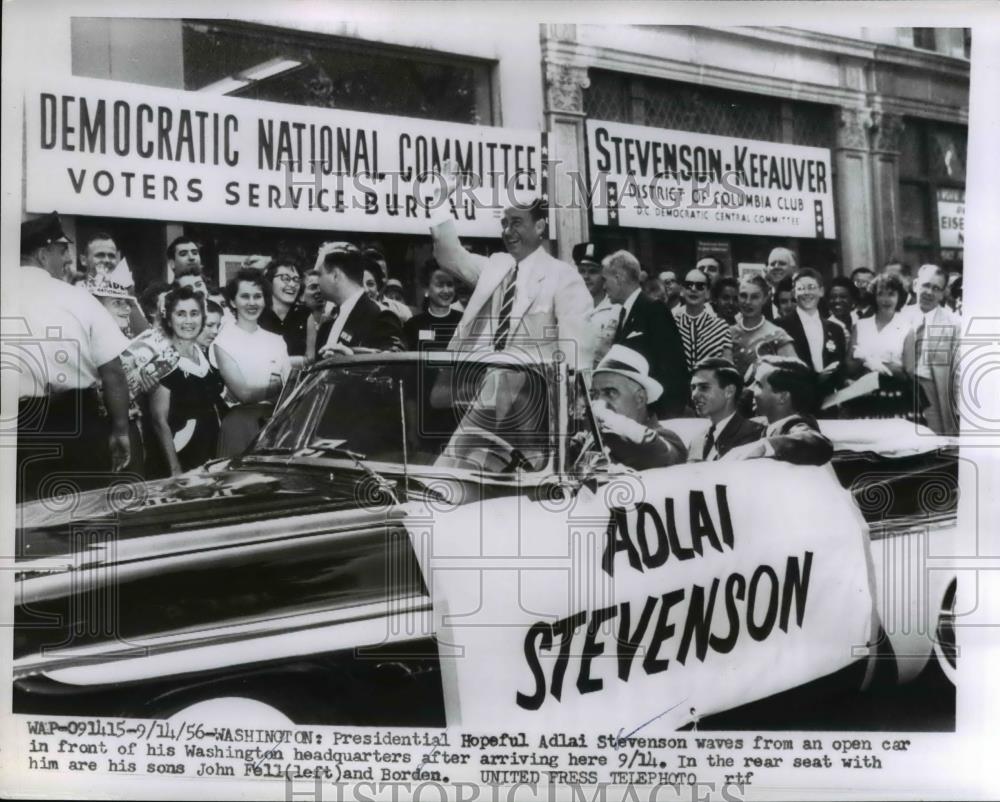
(754, 335)
(879, 344)
(253, 362)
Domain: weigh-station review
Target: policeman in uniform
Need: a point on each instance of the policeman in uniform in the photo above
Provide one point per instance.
(67, 349)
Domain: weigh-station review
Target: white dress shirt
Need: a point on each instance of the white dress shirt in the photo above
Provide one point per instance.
(630, 302)
(812, 324)
(60, 333)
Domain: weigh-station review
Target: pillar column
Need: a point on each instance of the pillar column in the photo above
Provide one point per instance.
(887, 131)
(852, 166)
(564, 118)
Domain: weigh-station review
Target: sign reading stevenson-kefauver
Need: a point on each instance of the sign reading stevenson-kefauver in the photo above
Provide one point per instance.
(656, 178)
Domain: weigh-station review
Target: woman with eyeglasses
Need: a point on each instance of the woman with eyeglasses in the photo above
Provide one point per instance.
(286, 315)
(253, 362)
(703, 333)
(754, 335)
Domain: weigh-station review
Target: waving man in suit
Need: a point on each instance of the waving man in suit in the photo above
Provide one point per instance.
(523, 300)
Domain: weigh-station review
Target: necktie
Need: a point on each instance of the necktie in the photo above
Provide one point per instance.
(709, 442)
(621, 324)
(503, 323)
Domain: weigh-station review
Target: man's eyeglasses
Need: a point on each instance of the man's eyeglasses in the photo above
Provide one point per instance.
(289, 279)
(697, 286)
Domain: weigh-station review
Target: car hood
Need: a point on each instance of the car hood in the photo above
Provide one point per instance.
(200, 499)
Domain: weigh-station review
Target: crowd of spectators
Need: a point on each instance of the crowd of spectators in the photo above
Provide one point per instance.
(226, 353)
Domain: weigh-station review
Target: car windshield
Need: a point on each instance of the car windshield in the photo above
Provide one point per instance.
(471, 415)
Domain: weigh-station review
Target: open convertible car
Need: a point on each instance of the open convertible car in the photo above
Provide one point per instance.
(437, 539)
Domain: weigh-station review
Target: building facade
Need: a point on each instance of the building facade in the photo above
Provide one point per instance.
(871, 123)
(889, 105)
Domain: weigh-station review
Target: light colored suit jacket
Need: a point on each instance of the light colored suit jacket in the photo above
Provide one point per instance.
(550, 307)
(939, 339)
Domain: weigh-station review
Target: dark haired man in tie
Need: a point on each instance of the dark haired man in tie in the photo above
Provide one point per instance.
(785, 390)
(359, 323)
(715, 391)
(523, 300)
(819, 342)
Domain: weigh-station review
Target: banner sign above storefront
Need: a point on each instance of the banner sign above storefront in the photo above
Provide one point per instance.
(951, 217)
(642, 177)
(105, 148)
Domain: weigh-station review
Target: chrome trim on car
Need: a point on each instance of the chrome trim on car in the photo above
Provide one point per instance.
(136, 557)
(237, 643)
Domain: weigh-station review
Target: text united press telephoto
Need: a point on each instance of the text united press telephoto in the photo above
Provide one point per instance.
(416, 407)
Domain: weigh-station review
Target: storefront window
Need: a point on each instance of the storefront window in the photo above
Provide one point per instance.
(607, 98)
(310, 70)
(260, 62)
(947, 155)
(931, 191)
(706, 110)
(924, 38)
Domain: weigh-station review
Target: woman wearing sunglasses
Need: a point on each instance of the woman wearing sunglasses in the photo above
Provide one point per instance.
(703, 333)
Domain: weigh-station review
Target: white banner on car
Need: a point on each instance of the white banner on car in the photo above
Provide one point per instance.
(113, 149)
(642, 177)
(667, 596)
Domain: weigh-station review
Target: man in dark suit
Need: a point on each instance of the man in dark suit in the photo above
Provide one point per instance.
(648, 327)
(784, 390)
(715, 391)
(781, 264)
(360, 323)
(819, 342)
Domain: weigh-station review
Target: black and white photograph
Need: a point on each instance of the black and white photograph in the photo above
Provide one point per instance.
(499, 401)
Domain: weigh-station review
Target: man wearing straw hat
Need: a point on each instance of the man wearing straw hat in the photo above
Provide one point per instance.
(623, 391)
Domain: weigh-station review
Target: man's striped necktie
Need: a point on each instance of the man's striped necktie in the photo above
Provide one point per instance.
(506, 305)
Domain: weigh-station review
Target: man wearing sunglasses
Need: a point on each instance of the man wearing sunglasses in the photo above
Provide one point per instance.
(703, 334)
